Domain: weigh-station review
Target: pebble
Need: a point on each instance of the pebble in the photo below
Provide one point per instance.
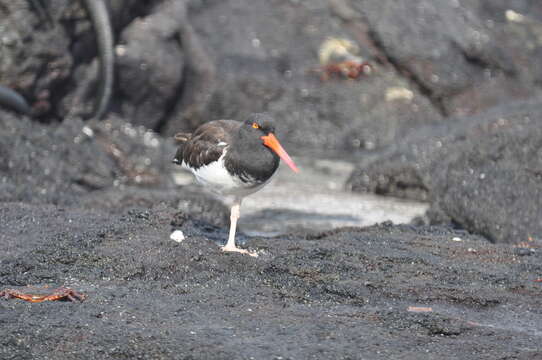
(177, 236)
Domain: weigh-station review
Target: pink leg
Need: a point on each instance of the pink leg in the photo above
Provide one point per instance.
(230, 245)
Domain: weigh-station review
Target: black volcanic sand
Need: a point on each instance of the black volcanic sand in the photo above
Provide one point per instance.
(91, 205)
(342, 294)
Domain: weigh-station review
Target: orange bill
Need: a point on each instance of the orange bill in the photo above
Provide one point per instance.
(271, 142)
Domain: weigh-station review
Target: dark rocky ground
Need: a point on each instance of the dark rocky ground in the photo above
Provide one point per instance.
(450, 115)
(341, 294)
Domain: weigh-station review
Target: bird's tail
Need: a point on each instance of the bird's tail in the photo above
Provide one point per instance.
(181, 139)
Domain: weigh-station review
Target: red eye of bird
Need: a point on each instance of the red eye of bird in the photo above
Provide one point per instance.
(255, 126)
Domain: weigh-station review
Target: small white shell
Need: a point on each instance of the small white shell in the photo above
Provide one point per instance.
(177, 236)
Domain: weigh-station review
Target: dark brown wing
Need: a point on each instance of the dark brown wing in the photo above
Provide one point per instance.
(206, 144)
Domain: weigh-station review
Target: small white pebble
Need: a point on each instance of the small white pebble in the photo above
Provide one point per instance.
(120, 50)
(177, 236)
(457, 239)
(471, 250)
(87, 131)
(399, 93)
(513, 16)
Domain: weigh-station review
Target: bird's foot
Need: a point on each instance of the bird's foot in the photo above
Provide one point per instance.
(236, 249)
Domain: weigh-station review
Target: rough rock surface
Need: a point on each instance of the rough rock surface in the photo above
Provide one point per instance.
(345, 293)
(465, 55)
(36, 60)
(482, 172)
(442, 58)
(150, 63)
(214, 59)
(102, 165)
(59, 163)
(268, 53)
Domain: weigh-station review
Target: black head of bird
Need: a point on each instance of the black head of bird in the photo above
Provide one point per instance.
(257, 136)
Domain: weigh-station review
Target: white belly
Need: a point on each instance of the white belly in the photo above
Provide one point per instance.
(216, 178)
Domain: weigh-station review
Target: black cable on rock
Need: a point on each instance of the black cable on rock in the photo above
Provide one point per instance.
(104, 37)
(13, 100)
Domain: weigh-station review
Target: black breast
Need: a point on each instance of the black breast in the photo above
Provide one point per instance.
(251, 161)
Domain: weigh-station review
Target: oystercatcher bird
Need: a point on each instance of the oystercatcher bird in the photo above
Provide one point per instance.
(233, 158)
